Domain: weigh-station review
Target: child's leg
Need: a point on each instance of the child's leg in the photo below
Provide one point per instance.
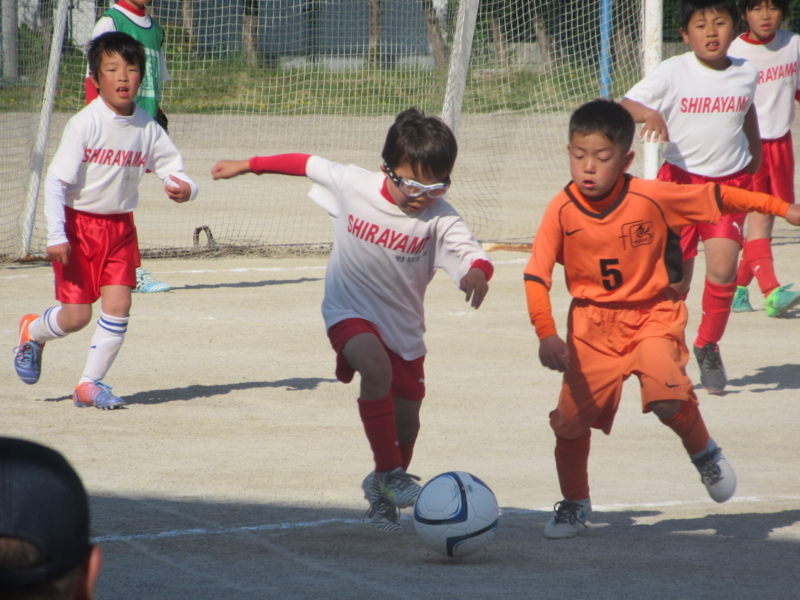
(115, 304)
(758, 252)
(407, 421)
(365, 353)
(683, 418)
(572, 464)
(721, 262)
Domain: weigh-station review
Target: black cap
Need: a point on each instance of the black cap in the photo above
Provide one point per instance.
(42, 501)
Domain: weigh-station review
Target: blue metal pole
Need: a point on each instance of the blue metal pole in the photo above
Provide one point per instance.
(605, 48)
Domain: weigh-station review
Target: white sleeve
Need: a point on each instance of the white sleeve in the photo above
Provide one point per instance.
(165, 160)
(164, 71)
(327, 177)
(651, 90)
(103, 25)
(55, 195)
(457, 249)
(71, 152)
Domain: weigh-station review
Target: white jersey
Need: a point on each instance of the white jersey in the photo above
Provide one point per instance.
(704, 110)
(106, 24)
(776, 61)
(101, 160)
(383, 259)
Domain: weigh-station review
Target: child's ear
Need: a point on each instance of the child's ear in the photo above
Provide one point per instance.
(627, 160)
(684, 35)
(95, 81)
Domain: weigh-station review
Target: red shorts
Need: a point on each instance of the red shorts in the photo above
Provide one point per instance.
(408, 376)
(776, 175)
(105, 251)
(729, 226)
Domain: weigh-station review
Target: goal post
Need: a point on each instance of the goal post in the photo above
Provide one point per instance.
(327, 77)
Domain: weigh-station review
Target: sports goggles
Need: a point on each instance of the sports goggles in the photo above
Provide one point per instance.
(415, 189)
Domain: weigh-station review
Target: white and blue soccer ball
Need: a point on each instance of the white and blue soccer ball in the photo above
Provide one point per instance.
(456, 514)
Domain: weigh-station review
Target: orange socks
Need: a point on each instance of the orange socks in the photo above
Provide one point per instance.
(689, 425)
(378, 419)
(572, 464)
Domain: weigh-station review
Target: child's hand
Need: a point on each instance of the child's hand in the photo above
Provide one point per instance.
(225, 169)
(475, 285)
(793, 214)
(180, 192)
(654, 128)
(59, 253)
(554, 353)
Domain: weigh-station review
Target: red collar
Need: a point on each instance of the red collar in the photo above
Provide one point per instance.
(139, 12)
(746, 37)
(385, 191)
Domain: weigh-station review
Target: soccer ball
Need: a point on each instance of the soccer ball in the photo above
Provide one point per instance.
(456, 514)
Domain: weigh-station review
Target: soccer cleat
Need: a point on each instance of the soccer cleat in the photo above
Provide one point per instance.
(398, 487)
(97, 394)
(568, 518)
(28, 358)
(712, 371)
(382, 513)
(147, 285)
(741, 301)
(716, 474)
(781, 300)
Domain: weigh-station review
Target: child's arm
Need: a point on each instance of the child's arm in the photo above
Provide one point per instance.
(737, 200)
(283, 164)
(58, 247)
(655, 128)
(476, 283)
(553, 351)
(753, 135)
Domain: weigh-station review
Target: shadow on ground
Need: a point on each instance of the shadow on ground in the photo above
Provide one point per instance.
(247, 284)
(163, 549)
(193, 392)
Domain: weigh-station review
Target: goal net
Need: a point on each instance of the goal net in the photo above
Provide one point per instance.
(259, 77)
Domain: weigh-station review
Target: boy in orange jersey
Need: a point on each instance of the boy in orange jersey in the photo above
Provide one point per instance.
(618, 239)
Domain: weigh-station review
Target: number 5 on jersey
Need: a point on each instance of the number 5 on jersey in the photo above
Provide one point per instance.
(612, 278)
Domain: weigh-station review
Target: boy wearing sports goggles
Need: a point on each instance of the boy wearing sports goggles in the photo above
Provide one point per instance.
(392, 230)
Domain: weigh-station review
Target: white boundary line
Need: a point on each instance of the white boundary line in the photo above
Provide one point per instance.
(174, 533)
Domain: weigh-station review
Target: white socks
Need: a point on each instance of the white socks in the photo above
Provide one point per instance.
(45, 328)
(106, 343)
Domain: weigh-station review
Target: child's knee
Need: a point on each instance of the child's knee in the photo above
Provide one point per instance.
(74, 317)
(665, 409)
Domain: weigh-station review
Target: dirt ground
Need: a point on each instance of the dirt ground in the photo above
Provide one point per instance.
(234, 470)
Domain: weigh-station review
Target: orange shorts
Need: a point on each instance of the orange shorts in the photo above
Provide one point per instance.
(609, 343)
(729, 226)
(408, 376)
(776, 175)
(105, 251)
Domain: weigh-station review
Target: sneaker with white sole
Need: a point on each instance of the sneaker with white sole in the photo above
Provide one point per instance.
(716, 474)
(569, 517)
(97, 394)
(28, 357)
(741, 300)
(382, 513)
(712, 372)
(780, 300)
(147, 285)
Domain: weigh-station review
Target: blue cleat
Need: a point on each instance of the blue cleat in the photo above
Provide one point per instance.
(97, 394)
(741, 301)
(28, 359)
(145, 283)
(780, 300)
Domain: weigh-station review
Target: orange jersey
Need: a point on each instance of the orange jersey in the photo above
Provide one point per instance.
(625, 248)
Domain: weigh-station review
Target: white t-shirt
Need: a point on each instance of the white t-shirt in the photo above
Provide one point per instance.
(704, 110)
(106, 24)
(383, 259)
(776, 61)
(101, 160)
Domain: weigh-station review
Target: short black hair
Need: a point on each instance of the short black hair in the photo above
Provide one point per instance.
(115, 42)
(781, 5)
(427, 144)
(607, 118)
(689, 7)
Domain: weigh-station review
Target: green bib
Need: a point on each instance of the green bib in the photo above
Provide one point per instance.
(149, 96)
